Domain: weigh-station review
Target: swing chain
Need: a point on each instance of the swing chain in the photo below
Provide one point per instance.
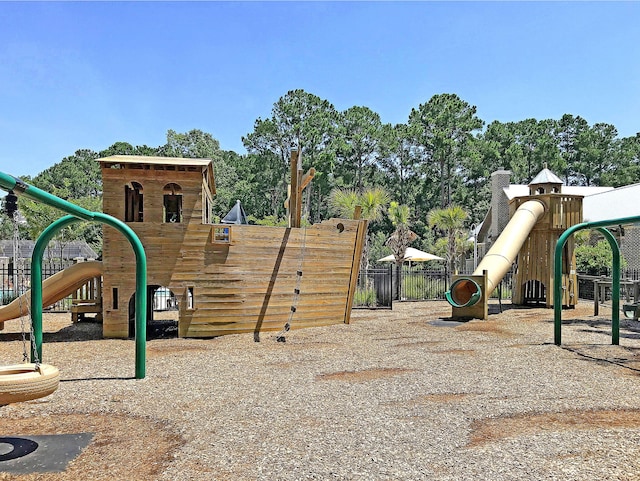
(25, 354)
(19, 281)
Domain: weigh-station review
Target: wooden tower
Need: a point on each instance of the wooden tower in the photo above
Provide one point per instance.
(159, 198)
(533, 282)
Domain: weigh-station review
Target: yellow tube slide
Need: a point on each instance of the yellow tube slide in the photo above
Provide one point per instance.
(54, 288)
(497, 262)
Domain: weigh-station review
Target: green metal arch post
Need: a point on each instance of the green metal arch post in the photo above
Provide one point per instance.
(8, 182)
(141, 287)
(615, 286)
(36, 280)
(557, 274)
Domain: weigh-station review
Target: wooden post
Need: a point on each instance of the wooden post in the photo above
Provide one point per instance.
(361, 236)
(98, 293)
(299, 199)
(306, 180)
(295, 202)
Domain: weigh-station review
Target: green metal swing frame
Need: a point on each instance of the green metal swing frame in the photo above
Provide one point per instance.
(76, 214)
(615, 285)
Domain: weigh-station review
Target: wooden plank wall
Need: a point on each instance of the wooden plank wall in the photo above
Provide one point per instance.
(245, 286)
(249, 286)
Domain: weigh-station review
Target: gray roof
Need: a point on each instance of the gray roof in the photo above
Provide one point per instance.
(545, 176)
(70, 250)
(236, 215)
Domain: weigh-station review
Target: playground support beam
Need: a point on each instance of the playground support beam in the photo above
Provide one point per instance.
(8, 182)
(141, 287)
(557, 273)
(18, 186)
(36, 280)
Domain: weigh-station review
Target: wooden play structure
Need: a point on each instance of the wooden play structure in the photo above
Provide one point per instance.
(227, 278)
(87, 300)
(537, 222)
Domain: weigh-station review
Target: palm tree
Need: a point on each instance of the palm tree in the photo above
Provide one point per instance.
(401, 238)
(450, 220)
(372, 202)
(343, 202)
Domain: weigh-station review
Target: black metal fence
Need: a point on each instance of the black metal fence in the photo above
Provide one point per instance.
(163, 299)
(16, 280)
(630, 274)
(504, 290)
(374, 288)
(377, 286)
(587, 283)
(421, 284)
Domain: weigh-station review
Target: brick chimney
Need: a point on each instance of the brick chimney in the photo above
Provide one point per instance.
(499, 202)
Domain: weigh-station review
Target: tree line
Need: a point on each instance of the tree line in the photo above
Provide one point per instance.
(441, 157)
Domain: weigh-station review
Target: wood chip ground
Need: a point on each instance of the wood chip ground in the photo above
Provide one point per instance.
(390, 396)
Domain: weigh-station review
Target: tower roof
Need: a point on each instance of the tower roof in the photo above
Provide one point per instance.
(545, 176)
(145, 162)
(149, 160)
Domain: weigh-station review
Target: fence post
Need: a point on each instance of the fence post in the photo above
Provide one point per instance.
(390, 277)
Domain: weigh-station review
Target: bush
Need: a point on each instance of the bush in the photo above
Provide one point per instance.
(594, 259)
(419, 287)
(365, 297)
(413, 287)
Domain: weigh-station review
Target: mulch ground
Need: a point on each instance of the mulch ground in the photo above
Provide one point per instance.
(131, 443)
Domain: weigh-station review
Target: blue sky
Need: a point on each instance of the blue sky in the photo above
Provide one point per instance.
(89, 74)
